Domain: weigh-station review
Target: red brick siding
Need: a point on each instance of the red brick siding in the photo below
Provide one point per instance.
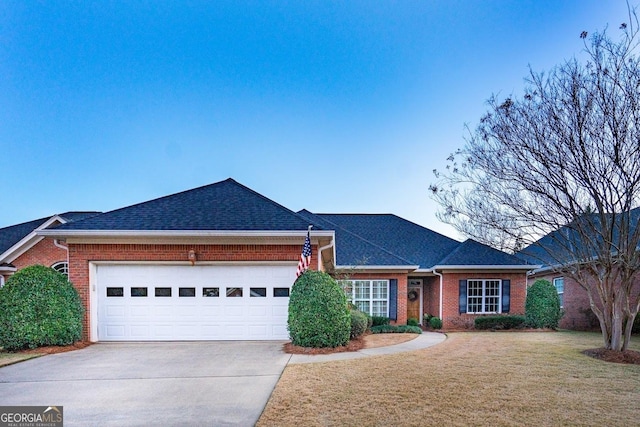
(450, 304)
(431, 296)
(577, 312)
(402, 291)
(81, 254)
(44, 252)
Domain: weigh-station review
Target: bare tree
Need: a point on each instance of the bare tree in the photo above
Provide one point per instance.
(562, 161)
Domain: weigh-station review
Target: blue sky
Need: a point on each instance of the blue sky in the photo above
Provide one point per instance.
(328, 106)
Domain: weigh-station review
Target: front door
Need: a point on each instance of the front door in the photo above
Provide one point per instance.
(414, 300)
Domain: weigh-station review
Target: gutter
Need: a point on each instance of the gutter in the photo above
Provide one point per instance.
(65, 248)
(180, 233)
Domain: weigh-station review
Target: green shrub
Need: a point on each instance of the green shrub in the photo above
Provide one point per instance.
(39, 307)
(359, 323)
(413, 322)
(426, 318)
(318, 312)
(395, 329)
(542, 307)
(499, 322)
(435, 323)
(380, 320)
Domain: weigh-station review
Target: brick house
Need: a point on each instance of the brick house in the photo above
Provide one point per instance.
(218, 262)
(21, 246)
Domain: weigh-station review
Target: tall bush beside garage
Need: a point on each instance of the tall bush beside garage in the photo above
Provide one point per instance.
(39, 307)
(318, 312)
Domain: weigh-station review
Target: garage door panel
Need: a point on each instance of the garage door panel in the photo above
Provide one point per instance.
(206, 302)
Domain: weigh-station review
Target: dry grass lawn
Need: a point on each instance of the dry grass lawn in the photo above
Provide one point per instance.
(11, 358)
(473, 378)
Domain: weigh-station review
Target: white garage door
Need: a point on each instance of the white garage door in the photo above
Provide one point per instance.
(201, 302)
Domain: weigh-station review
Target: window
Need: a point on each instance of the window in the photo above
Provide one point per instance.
(234, 292)
(558, 282)
(211, 292)
(281, 292)
(258, 292)
(483, 296)
(370, 296)
(163, 292)
(115, 292)
(61, 267)
(187, 292)
(138, 292)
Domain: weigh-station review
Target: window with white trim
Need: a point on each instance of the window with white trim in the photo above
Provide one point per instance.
(369, 296)
(61, 267)
(558, 283)
(483, 295)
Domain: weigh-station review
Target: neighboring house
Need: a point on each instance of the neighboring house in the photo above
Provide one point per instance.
(218, 262)
(563, 245)
(20, 246)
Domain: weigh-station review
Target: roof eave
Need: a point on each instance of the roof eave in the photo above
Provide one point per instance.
(183, 233)
(483, 267)
(378, 267)
(29, 240)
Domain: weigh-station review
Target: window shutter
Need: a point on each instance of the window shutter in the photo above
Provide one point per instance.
(506, 295)
(462, 301)
(393, 299)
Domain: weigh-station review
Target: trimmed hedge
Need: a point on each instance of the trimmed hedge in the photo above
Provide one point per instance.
(39, 307)
(380, 320)
(435, 322)
(359, 322)
(395, 329)
(500, 322)
(318, 312)
(413, 322)
(542, 306)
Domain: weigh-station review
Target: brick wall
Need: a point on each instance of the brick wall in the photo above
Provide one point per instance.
(44, 252)
(81, 254)
(452, 319)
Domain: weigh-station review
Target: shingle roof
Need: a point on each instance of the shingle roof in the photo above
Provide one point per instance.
(386, 239)
(473, 253)
(12, 234)
(354, 250)
(224, 205)
(414, 244)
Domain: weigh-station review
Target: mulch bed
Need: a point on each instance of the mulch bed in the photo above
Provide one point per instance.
(630, 357)
(353, 345)
(56, 348)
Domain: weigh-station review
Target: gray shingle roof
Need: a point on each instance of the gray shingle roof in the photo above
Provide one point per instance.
(386, 239)
(354, 250)
(224, 205)
(12, 234)
(473, 253)
(414, 244)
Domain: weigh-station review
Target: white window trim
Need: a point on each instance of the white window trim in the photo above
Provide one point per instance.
(371, 298)
(64, 265)
(560, 294)
(484, 296)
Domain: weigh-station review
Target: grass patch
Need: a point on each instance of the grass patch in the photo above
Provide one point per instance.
(11, 358)
(473, 378)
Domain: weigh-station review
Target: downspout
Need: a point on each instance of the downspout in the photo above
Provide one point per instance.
(320, 254)
(66, 248)
(440, 307)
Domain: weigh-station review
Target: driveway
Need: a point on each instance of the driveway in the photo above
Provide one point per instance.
(142, 384)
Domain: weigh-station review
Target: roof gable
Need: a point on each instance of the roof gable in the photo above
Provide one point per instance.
(225, 205)
(19, 237)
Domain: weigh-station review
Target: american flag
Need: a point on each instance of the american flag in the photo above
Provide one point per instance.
(305, 257)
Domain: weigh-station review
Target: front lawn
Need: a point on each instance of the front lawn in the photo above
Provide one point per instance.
(11, 358)
(473, 378)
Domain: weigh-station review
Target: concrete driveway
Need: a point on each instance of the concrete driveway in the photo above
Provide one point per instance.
(142, 384)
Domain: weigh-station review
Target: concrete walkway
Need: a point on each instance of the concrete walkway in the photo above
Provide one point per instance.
(424, 340)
